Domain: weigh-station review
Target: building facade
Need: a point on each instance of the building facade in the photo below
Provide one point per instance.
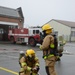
(10, 18)
(66, 29)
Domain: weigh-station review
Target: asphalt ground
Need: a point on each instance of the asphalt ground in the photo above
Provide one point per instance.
(9, 54)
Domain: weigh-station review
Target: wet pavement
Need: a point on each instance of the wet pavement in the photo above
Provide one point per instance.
(9, 54)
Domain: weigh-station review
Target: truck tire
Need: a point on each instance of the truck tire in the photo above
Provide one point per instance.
(12, 40)
(32, 42)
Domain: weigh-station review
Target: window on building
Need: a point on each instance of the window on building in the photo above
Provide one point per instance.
(72, 33)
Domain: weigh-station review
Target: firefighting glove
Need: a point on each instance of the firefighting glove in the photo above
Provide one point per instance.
(35, 69)
(57, 58)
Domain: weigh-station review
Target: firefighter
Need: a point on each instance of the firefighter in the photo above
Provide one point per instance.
(60, 49)
(22, 54)
(29, 63)
(48, 52)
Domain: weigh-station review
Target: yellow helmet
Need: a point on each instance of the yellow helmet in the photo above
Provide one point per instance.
(46, 27)
(30, 52)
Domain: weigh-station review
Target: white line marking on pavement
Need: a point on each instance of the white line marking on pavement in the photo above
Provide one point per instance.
(9, 51)
(9, 56)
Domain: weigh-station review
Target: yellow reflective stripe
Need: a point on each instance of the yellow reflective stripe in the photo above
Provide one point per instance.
(34, 74)
(37, 64)
(28, 68)
(52, 46)
(58, 56)
(45, 57)
(23, 64)
(36, 58)
(50, 55)
(22, 69)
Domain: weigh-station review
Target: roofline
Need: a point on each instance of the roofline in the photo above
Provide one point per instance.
(21, 13)
(56, 21)
(7, 16)
(46, 22)
(60, 22)
(10, 17)
(7, 8)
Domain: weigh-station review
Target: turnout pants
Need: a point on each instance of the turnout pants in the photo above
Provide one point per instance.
(50, 65)
(23, 73)
(28, 73)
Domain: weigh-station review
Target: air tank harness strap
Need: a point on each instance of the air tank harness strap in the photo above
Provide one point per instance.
(48, 56)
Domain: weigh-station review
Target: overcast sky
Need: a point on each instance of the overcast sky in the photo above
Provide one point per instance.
(38, 12)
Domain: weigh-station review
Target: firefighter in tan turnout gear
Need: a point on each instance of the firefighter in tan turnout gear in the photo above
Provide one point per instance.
(22, 54)
(47, 47)
(29, 63)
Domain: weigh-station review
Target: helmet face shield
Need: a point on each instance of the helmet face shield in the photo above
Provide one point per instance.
(48, 31)
(31, 57)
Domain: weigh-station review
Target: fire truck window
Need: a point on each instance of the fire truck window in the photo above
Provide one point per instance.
(37, 31)
(33, 31)
(16, 26)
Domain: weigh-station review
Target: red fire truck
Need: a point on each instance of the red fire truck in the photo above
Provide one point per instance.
(30, 36)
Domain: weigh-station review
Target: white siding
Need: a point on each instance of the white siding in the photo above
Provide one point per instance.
(62, 29)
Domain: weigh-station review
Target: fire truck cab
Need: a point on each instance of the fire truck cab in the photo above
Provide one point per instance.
(29, 36)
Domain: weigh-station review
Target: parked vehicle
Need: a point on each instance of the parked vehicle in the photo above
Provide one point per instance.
(30, 36)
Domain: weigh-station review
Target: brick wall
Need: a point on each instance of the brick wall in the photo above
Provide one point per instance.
(14, 20)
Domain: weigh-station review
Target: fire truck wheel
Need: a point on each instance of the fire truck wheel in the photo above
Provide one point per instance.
(12, 40)
(32, 42)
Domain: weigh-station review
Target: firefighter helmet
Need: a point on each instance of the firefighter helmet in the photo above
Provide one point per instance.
(46, 27)
(30, 53)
